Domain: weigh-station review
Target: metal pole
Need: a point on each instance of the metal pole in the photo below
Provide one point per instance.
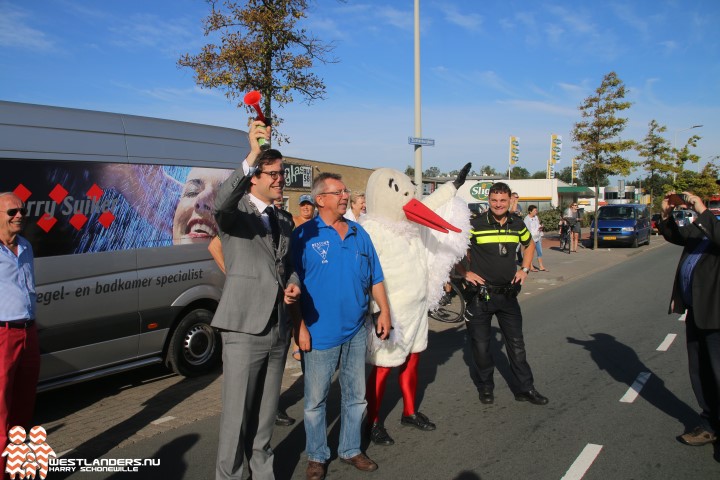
(418, 122)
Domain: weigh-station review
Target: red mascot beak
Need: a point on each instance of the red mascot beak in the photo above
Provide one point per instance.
(417, 212)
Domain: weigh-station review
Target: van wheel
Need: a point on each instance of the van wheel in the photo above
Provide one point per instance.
(195, 346)
(648, 240)
(635, 242)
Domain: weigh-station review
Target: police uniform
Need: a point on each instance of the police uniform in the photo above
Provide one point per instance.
(492, 257)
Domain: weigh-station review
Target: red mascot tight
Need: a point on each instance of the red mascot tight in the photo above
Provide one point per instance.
(408, 380)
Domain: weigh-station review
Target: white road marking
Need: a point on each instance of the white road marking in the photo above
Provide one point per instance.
(162, 420)
(582, 462)
(634, 390)
(667, 342)
(682, 317)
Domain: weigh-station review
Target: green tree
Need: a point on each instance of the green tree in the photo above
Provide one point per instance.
(701, 184)
(539, 174)
(260, 48)
(519, 173)
(598, 135)
(432, 172)
(682, 156)
(656, 153)
(565, 175)
(410, 171)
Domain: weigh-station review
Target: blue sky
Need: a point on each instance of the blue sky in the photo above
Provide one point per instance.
(490, 69)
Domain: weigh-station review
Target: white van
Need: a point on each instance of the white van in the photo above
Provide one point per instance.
(119, 217)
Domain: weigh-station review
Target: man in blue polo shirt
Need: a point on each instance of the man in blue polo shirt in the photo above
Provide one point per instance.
(339, 271)
(19, 350)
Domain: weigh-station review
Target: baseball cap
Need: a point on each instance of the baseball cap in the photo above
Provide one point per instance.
(305, 198)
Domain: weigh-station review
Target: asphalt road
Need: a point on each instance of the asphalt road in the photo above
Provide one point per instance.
(589, 341)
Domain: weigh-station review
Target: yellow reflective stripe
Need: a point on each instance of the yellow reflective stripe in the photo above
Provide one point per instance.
(495, 238)
(524, 235)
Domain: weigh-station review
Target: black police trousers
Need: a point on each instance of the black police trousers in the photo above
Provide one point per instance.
(478, 318)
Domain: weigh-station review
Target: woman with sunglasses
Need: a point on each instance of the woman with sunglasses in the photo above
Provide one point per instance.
(572, 217)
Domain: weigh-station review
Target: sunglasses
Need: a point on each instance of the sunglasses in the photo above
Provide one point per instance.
(14, 211)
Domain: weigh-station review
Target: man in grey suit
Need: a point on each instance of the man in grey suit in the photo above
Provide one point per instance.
(251, 315)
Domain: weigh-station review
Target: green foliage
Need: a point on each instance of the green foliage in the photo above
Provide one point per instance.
(261, 48)
(410, 171)
(539, 174)
(598, 135)
(701, 184)
(519, 173)
(564, 175)
(682, 156)
(657, 155)
(550, 219)
(432, 172)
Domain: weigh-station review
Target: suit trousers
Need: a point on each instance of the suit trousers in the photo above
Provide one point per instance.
(703, 348)
(252, 368)
(478, 318)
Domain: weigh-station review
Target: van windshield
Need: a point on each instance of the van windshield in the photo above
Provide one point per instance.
(714, 204)
(618, 212)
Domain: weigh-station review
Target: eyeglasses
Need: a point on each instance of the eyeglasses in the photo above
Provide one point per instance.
(14, 211)
(275, 174)
(339, 193)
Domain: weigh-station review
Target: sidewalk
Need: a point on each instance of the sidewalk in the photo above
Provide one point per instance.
(96, 417)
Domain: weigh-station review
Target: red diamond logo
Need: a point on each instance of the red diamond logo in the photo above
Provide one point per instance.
(78, 220)
(106, 219)
(22, 192)
(95, 192)
(58, 194)
(47, 222)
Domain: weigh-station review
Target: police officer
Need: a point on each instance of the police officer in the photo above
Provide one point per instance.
(490, 267)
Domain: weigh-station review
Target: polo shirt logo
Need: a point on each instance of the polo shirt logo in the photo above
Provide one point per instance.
(322, 249)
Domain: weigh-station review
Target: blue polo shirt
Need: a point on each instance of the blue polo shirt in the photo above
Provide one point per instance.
(17, 282)
(337, 277)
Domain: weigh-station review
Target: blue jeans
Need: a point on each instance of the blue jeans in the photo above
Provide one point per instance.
(319, 369)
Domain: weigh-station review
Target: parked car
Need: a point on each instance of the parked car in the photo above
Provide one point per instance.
(654, 220)
(626, 224)
(684, 216)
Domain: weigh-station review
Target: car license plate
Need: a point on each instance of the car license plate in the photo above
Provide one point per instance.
(609, 238)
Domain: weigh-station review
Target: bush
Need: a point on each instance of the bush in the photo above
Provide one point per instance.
(550, 219)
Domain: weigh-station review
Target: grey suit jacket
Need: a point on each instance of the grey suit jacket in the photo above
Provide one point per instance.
(256, 273)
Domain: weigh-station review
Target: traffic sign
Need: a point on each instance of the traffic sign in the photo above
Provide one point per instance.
(427, 142)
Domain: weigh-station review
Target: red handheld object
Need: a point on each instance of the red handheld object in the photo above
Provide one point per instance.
(252, 98)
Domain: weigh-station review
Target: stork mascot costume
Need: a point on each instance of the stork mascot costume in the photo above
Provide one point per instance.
(416, 263)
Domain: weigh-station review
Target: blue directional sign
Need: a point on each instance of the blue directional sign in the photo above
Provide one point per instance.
(426, 142)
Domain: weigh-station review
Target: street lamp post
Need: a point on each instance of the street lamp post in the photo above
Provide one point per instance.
(675, 142)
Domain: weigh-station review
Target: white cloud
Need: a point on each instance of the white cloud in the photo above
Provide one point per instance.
(15, 31)
(467, 21)
(170, 36)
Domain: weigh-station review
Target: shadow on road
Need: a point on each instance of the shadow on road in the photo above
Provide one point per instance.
(441, 346)
(154, 408)
(623, 365)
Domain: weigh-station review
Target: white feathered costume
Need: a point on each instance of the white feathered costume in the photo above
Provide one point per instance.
(415, 259)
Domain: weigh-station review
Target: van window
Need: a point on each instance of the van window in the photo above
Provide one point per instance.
(83, 207)
(617, 212)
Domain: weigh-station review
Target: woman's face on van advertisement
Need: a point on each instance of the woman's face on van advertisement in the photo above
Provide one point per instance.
(194, 213)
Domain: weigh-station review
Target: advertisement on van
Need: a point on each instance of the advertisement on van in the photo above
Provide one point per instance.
(80, 207)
